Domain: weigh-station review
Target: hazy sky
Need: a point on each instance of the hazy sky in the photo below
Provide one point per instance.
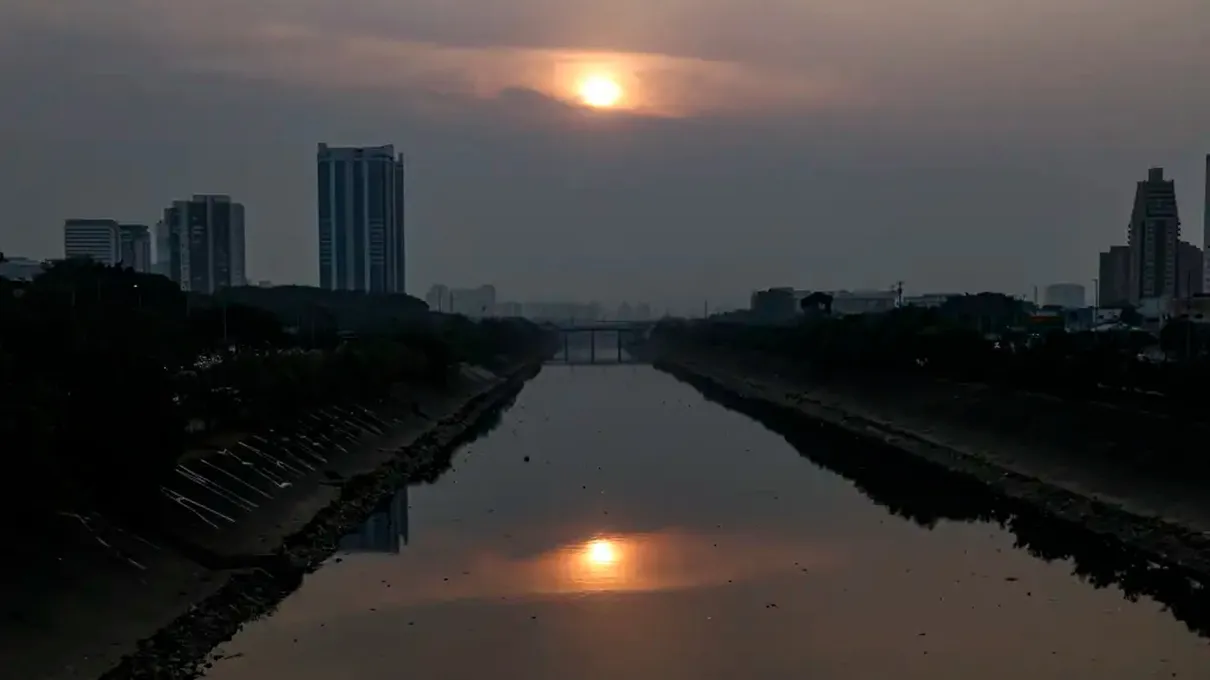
(953, 144)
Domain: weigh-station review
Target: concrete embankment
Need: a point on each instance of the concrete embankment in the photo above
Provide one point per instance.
(247, 527)
(1053, 455)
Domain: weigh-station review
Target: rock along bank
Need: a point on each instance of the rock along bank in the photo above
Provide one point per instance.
(1025, 447)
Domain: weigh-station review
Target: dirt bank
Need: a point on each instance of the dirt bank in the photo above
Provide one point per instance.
(123, 606)
(1026, 447)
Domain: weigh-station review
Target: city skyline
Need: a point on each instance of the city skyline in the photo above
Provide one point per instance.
(369, 155)
(826, 146)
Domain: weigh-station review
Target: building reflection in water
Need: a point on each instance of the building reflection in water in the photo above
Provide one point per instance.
(386, 531)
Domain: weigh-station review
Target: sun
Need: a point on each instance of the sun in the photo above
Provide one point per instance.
(601, 552)
(600, 92)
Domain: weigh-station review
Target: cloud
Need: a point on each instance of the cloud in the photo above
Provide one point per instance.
(978, 145)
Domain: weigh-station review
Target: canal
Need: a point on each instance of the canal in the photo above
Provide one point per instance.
(619, 523)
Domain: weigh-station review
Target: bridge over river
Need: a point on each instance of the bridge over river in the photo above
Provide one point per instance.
(593, 342)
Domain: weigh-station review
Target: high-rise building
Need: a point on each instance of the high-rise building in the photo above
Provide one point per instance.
(1188, 269)
(200, 243)
(93, 239)
(1206, 226)
(438, 298)
(1113, 285)
(1065, 295)
(361, 219)
(1155, 228)
(134, 247)
(470, 302)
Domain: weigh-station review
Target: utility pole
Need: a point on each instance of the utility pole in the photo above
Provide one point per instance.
(899, 293)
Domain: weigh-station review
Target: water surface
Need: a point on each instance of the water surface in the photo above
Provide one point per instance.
(618, 524)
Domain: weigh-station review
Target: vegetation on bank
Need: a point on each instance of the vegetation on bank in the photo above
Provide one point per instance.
(109, 375)
(927, 494)
(985, 338)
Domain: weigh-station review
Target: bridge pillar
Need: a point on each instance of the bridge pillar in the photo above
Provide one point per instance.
(619, 345)
(592, 346)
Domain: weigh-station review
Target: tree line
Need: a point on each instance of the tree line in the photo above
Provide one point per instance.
(988, 337)
(108, 375)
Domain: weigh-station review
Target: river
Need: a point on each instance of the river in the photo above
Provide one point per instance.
(618, 524)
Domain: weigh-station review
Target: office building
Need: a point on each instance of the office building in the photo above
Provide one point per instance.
(200, 243)
(845, 302)
(1065, 295)
(93, 239)
(361, 219)
(1155, 228)
(929, 300)
(470, 302)
(774, 305)
(1188, 269)
(473, 302)
(563, 312)
(134, 247)
(1113, 283)
(438, 298)
(510, 309)
(1206, 225)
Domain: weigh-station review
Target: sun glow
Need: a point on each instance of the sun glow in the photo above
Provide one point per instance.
(600, 92)
(601, 553)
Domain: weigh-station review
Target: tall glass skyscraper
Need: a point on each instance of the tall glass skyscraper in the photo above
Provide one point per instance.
(361, 234)
(200, 243)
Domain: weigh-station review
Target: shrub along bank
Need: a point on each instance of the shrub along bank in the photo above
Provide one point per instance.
(106, 376)
(1117, 416)
(919, 342)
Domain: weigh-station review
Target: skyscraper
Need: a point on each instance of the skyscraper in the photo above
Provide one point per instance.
(134, 247)
(1188, 269)
(1113, 286)
(200, 243)
(93, 239)
(1206, 226)
(1155, 228)
(361, 219)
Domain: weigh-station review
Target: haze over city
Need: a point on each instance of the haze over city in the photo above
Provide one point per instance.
(952, 145)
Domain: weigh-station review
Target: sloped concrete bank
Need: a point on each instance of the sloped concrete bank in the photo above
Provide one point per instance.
(187, 596)
(926, 494)
(1165, 523)
(180, 649)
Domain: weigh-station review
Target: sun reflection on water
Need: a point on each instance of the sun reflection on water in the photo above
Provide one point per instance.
(602, 563)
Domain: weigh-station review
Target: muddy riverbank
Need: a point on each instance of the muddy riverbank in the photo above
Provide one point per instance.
(1164, 519)
(121, 605)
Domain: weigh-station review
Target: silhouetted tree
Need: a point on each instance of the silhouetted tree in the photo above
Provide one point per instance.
(817, 302)
(1131, 317)
(103, 371)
